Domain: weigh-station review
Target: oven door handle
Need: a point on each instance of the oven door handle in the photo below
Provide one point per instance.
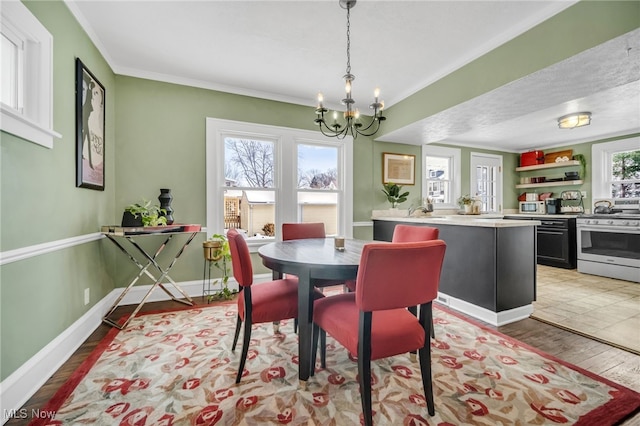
(605, 228)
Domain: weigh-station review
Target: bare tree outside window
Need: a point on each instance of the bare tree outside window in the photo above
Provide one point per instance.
(249, 162)
(625, 172)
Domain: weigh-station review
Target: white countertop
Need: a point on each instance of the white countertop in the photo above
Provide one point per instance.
(489, 220)
(545, 216)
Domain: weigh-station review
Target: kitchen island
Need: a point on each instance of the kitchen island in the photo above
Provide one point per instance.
(489, 269)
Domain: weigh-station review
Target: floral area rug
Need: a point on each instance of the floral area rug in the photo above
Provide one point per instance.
(177, 368)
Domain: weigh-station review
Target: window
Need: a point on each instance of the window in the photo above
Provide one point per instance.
(616, 170)
(441, 168)
(486, 181)
(259, 177)
(27, 74)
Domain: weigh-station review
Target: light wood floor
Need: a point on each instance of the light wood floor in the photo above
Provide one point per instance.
(600, 307)
(607, 361)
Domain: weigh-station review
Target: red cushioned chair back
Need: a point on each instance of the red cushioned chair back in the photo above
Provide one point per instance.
(399, 275)
(240, 258)
(299, 231)
(409, 233)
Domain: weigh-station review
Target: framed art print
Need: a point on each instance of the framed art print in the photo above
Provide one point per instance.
(90, 123)
(398, 168)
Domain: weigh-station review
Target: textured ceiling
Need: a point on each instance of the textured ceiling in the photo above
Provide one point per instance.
(290, 50)
(522, 115)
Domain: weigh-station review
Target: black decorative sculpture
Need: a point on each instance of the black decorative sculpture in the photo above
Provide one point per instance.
(165, 199)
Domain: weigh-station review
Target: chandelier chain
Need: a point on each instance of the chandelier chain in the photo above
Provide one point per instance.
(348, 41)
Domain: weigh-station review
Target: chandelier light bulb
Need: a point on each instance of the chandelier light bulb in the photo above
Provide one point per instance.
(320, 99)
(376, 94)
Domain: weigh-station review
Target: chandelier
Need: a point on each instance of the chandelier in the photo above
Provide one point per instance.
(352, 124)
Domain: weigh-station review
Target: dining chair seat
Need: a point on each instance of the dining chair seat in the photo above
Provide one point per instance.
(392, 331)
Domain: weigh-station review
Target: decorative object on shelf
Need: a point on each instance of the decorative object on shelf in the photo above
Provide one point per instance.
(394, 196)
(531, 158)
(558, 156)
(577, 119)
(165, 199)
(90, 141)
(583, 165)
(150, 215)
(217, 254)
(466, 202)
(353, 124)
(398, 168)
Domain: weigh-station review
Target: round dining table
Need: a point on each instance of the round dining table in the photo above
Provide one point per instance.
(314, 261)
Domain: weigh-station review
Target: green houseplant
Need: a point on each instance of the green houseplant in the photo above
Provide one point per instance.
(218, 254)
(394, 194)
(151, 214)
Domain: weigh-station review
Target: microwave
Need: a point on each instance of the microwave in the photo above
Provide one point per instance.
(533, 207)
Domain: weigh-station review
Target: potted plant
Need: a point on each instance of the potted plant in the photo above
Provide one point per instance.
(466, 202)
(583, 165)
(145, 214)
(217, 253)
(394, 194)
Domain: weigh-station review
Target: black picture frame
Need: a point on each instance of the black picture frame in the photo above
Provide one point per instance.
(90, 129)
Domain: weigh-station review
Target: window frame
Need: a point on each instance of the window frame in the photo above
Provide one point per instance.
(285, 173)
(475, 160)
(454, 156)
(601, 157)
(33, 120)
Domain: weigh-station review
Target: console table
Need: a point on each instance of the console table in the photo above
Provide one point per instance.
(125, 238)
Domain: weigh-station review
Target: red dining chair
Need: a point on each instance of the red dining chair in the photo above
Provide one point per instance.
(409, 234)
(373, 322)
(258, 303)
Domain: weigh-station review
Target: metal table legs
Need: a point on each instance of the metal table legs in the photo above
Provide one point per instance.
(144, 270)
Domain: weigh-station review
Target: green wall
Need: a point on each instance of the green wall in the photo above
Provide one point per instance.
(42, 296)
(155, 138)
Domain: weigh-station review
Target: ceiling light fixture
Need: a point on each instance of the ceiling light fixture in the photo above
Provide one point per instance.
(353, 124)
(571, 121)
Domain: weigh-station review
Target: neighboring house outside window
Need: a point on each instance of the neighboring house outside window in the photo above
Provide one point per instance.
(616, 170)
(27, 76)
(260, 176)
(441, 178)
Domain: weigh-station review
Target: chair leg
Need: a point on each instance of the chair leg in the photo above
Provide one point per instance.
(323, 348)
(433, 330)
(425, 369)
(414, 311)
(245, 348)
(235, 338)
(314, 348)
(295, 325)
(364, 371)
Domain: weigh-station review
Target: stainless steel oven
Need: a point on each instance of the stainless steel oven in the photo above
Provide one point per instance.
(609, 245)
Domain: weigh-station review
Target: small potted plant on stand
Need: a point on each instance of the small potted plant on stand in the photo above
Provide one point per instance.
(466, 203)
(217, 253)
(144, 214)
(394, 194)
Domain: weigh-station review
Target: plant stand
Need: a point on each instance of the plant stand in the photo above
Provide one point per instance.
(208, 287)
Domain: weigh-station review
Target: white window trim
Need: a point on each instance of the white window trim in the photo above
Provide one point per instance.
(455, 156)
(35, 122)
(601, 160)
(287, 138)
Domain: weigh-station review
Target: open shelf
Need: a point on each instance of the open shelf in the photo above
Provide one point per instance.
(547, 166)
(543, 184)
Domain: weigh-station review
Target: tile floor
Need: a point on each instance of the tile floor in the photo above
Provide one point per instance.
(604, 308)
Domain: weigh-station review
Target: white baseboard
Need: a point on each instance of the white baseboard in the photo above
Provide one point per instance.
(494, 318)
(16, 389)
(23, 383)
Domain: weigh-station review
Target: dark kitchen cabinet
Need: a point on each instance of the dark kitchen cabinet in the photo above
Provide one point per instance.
(556, 239)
